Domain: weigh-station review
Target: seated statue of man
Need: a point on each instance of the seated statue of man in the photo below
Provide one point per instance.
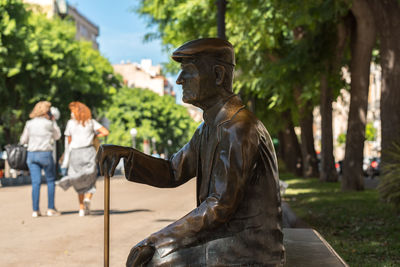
(238, 218)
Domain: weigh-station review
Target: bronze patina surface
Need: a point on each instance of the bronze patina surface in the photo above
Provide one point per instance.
(238, 218)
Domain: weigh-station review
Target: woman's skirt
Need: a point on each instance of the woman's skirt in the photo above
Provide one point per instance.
(82, 171)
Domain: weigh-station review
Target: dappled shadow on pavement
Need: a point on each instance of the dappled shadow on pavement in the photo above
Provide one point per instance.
(101, 212)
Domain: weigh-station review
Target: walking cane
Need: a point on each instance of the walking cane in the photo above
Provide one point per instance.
(106, 219)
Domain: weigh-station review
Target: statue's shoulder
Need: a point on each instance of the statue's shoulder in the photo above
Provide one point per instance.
(243, 125)
(243, 118)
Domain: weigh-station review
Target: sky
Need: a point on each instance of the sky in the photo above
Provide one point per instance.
(122, 32)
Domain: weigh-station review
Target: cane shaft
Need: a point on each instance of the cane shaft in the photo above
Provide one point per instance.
(106, 220)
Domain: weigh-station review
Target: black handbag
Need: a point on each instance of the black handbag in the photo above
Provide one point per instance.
(16, 157)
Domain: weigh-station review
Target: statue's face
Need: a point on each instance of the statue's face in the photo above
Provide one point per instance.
(189, 78)
(198, 82)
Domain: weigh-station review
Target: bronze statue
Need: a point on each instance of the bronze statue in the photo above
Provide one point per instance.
(238, 218)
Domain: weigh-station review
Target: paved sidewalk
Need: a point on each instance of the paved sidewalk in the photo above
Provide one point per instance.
(69, 240)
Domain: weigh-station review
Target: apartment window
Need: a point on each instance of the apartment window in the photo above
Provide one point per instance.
(83, 31)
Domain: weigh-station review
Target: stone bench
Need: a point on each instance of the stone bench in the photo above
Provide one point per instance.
(306, 247)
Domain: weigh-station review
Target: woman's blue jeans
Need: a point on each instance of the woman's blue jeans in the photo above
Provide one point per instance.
(38, 160)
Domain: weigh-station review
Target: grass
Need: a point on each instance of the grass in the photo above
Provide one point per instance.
(363, 230)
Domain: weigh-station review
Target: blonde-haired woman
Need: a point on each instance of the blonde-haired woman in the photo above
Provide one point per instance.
(82, 169)
(40, 133)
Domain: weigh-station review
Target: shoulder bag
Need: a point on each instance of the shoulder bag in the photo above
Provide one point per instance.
(16, 157)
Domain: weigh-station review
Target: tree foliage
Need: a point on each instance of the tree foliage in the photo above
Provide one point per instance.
(41, 60)
(152, 115)
(14, 31)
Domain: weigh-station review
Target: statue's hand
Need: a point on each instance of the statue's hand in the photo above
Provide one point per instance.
(108, 157)
(140, 254)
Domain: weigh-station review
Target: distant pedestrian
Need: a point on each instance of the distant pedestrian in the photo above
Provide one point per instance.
(40, 133)
(155, 154)
(81, 130)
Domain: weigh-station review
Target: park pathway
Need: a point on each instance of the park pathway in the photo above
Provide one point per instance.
(69, 240)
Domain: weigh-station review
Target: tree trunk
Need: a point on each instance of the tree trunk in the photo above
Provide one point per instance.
(221, 9)
(310, 162)
(327, 168)
(363, 41)
(280, 153)
(306, 118)
(291, 152)
(328, 171)
(388, 24)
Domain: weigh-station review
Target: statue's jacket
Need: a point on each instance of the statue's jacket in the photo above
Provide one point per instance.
(238, 217)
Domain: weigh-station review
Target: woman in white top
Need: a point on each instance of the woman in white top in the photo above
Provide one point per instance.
(40, 133)
(82, 170)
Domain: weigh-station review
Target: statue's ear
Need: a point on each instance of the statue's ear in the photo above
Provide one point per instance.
(219, 74)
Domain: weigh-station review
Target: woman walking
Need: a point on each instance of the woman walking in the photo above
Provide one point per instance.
(40, 133)
(82, 170)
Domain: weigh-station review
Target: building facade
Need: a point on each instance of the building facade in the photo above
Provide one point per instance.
(144, 75)
(85, 29)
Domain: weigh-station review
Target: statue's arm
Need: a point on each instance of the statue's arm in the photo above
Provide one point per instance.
(142, 168)
(232, 167)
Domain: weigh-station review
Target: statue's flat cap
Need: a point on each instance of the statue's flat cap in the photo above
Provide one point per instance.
(218, 48)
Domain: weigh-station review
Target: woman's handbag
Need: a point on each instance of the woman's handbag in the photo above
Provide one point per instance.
(16, 157)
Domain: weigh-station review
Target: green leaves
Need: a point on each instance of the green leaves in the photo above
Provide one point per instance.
(370, 132)
(12, 71)
(10, 25)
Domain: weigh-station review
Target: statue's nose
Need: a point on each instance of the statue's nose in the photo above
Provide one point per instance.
(179, 80)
